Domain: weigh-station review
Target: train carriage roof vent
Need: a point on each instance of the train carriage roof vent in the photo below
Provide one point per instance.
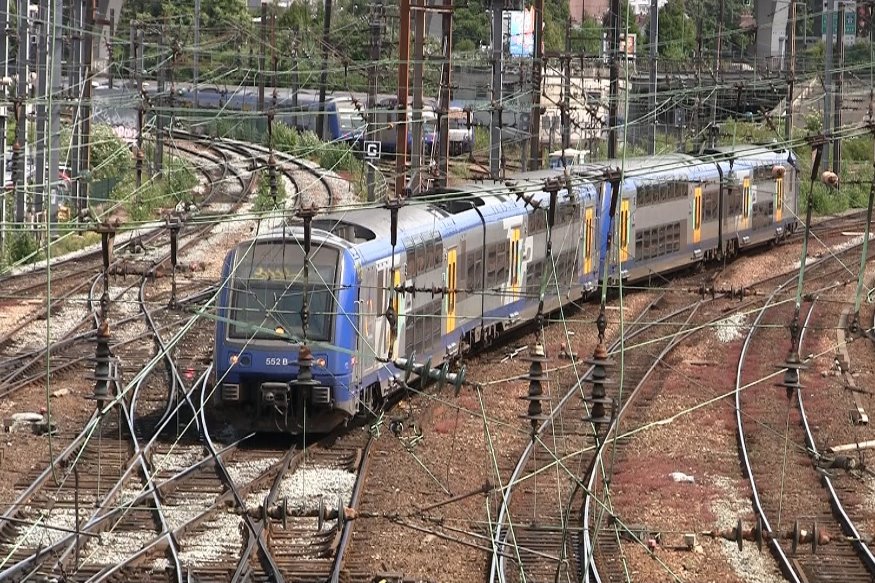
(347, 231)
(454, 201)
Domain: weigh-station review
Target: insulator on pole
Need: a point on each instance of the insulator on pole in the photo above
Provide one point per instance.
(536, 377)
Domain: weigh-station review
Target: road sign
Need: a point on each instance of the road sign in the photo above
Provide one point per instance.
(372, 150)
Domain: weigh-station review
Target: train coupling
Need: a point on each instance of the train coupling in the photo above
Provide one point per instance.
(275, 394)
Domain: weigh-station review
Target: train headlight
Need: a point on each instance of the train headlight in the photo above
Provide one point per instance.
(232, 360)
(280, 331)
(321, 362)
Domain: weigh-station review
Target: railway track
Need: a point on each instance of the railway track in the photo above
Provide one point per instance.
(537, 533)
(798, 509)
(139, 511)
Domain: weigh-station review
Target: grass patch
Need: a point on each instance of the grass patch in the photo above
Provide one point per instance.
(173, 186)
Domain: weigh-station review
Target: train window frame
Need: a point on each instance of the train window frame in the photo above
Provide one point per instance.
(421, 257)
(501, 273)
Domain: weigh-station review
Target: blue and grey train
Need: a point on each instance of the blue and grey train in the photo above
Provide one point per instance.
(482, 251)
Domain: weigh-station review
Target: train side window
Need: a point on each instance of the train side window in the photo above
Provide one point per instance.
(490, 266)
(502, 263)
(421, 258)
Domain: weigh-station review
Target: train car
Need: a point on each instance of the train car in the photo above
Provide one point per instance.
(466, 268)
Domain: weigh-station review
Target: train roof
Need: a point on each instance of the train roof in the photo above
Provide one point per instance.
(366, 224)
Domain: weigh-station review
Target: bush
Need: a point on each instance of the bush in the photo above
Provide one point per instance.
(263, 199)
(23, 248)
(172, 187)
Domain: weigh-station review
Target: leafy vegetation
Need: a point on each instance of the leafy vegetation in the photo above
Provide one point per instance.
(174, 185)
(263, 199)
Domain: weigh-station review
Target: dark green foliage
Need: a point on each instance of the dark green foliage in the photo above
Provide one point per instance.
(677, 31)
(23, 247)
(471, 25)
(587, 38)
(556, 16)
(263, 199)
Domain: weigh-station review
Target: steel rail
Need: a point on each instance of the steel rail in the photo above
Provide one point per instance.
(497, 566)
(266, 555)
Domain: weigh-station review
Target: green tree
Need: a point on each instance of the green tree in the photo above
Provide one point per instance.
(556, 16)
(587, 38)
(471, 24)
(677, 31)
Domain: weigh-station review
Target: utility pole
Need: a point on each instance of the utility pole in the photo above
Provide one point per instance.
(74, 61)
(295, 82)
(140, 110)
(160, 103)
(132, 51)
(196, 53)
(110, 44)
(840, 80)
(262, 41)
(697, 114)
(416, 117)
(403, 79)
(654, 55)
(42, 94)
(827, 76)
(376, 27)
(446, 73)
(55, 87)
(497, 105)
(713, 126)
(4, 59)
(19, 149)
(614, 87)
(791, 77)
(273, 59)
(87, 76)
(323, 76)
(566, 89)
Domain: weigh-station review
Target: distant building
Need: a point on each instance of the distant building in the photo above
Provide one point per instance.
(642, 7)
(589, 8)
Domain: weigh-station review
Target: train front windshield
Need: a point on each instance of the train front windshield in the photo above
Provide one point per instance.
(350, 121)
(268, 289)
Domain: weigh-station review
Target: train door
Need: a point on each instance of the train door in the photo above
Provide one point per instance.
(452, 279)
(697, 214)
(515, 263)
(779, 199)
(624, 229)
(397, 307)
(588, 238)
(367, 320)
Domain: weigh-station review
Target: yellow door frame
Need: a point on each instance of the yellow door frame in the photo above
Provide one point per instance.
(779, 199)
(697, 214)
(745, 201)
(625, 225)
(452, 275)
(515, 262)
(588, 236)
